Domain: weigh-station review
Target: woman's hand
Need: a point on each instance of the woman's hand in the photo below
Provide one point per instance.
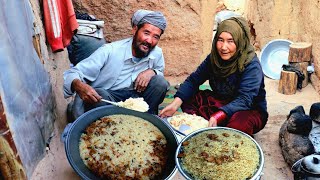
(216, 118)
(212, 122)
(87, 93)
(171, 108)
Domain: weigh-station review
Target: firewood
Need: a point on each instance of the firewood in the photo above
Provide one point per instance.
(288, 82)
(300, 52)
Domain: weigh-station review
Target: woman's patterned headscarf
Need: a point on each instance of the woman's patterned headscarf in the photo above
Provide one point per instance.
(239, 29)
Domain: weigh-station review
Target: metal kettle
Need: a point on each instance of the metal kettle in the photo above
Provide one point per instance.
(307, 168)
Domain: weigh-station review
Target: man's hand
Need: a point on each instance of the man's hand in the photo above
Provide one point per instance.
(86, 92)
(143, 80)
(212, 122)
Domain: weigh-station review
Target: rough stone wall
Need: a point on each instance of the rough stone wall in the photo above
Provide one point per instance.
(187, 39)
(287, 19)
(55, 64)
(311, 31)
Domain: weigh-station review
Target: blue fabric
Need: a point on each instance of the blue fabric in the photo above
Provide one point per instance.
(82, 46)
(103, 68)
(127, 75)
(245, 90)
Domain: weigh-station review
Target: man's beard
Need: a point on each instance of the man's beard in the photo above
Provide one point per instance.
(140, 53)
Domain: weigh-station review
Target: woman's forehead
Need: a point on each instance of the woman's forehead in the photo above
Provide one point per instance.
(225, 35)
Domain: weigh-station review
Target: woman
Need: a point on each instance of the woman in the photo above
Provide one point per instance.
(238, 97)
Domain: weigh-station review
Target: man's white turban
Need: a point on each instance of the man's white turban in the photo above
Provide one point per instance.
(155, 18)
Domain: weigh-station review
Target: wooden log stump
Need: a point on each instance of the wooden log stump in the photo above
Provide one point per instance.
(288, 82)
(303, 68)
(300, 52)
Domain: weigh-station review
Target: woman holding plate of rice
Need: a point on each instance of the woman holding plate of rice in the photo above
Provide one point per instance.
(238, 97)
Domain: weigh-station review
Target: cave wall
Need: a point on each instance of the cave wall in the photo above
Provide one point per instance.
(287, 19)
(187, 39)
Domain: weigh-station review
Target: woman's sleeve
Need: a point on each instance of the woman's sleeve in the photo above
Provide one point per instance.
(249, 87)
(191, 85)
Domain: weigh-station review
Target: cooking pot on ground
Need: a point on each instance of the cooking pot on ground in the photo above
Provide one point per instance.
(307, 168)
(78, 127)
(256, 175)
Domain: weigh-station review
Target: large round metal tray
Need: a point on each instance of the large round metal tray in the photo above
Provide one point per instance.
(273, 55)
(78, 127)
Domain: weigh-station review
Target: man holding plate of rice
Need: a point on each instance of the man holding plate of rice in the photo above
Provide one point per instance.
(129, 68)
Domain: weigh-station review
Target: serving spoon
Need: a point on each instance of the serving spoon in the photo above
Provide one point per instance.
(110, 102)
(184, 127)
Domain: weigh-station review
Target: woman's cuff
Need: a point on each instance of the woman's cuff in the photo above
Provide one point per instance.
(220, 116)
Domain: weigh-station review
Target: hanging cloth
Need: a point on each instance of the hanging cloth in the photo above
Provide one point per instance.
(60, 23)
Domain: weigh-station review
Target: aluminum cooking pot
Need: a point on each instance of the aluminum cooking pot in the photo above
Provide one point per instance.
(78, 127)
(307, 168)
(256, 175)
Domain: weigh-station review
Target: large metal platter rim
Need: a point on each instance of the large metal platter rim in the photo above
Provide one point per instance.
(113, 110)
(188, 177)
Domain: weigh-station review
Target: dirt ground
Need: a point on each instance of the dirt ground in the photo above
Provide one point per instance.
(55, 165)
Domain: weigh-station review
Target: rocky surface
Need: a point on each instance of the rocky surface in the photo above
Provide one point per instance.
(293, 138)
(187, 40)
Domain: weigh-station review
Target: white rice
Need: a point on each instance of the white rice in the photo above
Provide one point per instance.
(137, 104)
(220, 154)
(123, 147)
(194, 121)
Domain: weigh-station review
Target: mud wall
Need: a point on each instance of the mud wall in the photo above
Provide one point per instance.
(293, 20)
(55, 64)
(187, 39)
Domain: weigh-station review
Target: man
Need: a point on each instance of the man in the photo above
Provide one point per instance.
(131, 67)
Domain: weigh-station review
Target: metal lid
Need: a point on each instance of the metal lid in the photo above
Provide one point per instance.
(311, 164)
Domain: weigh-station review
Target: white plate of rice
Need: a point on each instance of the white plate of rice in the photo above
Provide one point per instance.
(193, 121)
